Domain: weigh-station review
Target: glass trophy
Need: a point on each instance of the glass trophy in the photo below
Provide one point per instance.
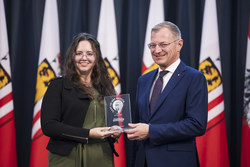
(117, 111)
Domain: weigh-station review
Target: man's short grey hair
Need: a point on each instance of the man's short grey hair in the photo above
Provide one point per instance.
(171, 26)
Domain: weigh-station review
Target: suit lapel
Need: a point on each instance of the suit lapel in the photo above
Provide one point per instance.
(149, 81)
(175, 78)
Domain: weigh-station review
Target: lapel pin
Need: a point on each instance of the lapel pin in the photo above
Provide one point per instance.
(178, 75)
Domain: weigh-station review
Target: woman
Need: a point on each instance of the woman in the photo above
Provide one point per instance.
(73, 110)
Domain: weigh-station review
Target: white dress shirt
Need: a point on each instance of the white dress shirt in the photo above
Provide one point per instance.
(166, 77)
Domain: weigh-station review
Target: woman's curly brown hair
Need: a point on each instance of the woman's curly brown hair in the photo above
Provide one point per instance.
(99, 77)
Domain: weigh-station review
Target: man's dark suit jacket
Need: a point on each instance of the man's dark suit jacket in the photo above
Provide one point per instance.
(62, 115)
(178, 117)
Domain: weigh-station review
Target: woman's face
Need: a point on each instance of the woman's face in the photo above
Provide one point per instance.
(84, 58)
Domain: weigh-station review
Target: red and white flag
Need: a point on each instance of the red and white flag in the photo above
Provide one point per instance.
(107, 36)
(212, 146)
(7, 121)
(48, 68)
(245, 139)
(155, 16)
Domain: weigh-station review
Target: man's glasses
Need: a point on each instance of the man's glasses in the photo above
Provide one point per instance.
(80, 55)
(162, 45)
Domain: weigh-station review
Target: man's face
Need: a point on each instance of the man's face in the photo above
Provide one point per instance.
(166, 48)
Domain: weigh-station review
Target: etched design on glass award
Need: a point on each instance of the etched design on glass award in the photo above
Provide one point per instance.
(117, 111)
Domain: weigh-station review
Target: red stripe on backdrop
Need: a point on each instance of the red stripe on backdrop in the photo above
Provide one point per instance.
(249, 29)
(6, 99)
(38, 152)
(214, 142)
(143, 68)
(36, 117)
(215, 121)
(8, 143)
(5, 119)
(215, 102)
(120, 149)
(38, 134)
(245, 146)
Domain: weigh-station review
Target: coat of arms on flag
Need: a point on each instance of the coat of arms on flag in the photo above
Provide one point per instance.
(44, 74)
(212, 74)
(112, 73)
(4, 77)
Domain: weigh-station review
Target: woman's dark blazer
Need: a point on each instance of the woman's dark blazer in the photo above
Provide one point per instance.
(62, 115)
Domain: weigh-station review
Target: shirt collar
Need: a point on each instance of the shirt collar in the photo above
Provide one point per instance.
(172, 67)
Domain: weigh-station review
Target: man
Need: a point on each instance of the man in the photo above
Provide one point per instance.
(167, 124)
